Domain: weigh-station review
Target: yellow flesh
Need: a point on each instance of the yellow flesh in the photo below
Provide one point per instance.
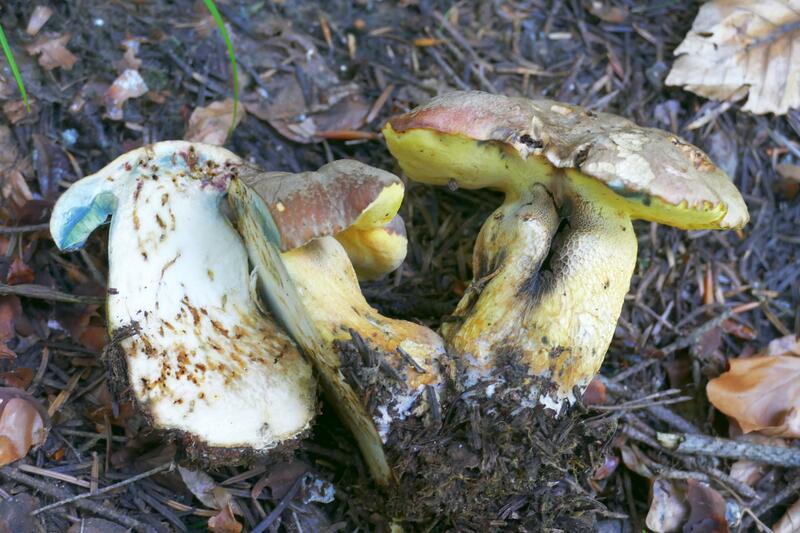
(434, 158)
(373, 251)
(557, 319)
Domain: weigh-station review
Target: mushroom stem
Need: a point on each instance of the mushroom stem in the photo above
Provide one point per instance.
(552, 288)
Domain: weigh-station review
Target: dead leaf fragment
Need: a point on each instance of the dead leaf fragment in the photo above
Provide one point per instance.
(52, 51)
(668, 507)
(128, 85)
(707, 509)
(762, 393)
(210, 124)
(224, 522)
(607, 12)
(205, 488)
(743, 43)
(39, 17)
(22, 424)
(788, 345)
(19, 272)
(790, 523)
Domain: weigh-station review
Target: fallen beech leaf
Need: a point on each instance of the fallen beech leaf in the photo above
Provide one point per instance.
(790, 523)
(40, 16)
(52, 51)
(707, 509)
(22, 424)
(128, 85)
(762, 393)
(19, 272)
(210, 124)
(739, 45)
(224, 522)
(668, 506)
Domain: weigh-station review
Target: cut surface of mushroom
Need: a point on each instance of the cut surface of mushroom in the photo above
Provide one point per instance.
(552, 265)
(199, 357)
(377, 370)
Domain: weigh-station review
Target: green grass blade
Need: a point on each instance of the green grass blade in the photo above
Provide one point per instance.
(17, 76)
(212, 8)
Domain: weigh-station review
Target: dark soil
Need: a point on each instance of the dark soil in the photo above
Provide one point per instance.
(677, 330)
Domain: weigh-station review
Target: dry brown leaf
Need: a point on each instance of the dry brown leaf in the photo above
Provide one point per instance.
(668, 507)
(40, 15)
(22, 424)
(224, 522)
(788, 345)
(128, 85)
(52, 51)
(210, 124)
(790, 523)
(762, 393)
(741, 45)
(205, 488)
(707, 509)
(19, 272)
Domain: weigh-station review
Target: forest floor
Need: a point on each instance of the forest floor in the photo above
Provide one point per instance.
(697, 298)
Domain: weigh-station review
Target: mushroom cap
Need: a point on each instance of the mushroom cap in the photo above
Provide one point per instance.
(659, 170)
(346, 199)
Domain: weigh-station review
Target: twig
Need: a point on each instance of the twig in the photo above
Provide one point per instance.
(276, 513)
(41, 292)
(717, 447)
(692, 337)
(93, 507)
(104, 490)
(10, 230)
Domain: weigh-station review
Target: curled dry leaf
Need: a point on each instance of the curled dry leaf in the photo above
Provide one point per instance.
(762, 393)
(210, 124)
(790, 523)
(668, 507)
(52, 51)
(224, 522)
(39, 17)
(740, 45)
(128, 85)
(19, 272)
(23, 424)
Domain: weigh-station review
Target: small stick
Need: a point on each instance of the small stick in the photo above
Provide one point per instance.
(93, 507)
(104, 490)
(276, 513)
(10, 230)
(41, 292)
(717, 447)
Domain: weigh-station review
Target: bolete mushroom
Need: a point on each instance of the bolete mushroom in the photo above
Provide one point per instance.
(376, 370)
(196, 353)
(553, 263)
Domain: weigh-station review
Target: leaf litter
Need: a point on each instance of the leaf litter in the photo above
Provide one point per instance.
(319, 71)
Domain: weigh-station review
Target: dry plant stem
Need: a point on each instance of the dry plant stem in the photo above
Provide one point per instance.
(40, 292)
(133, 479)
(94, 507)
(716, 447)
